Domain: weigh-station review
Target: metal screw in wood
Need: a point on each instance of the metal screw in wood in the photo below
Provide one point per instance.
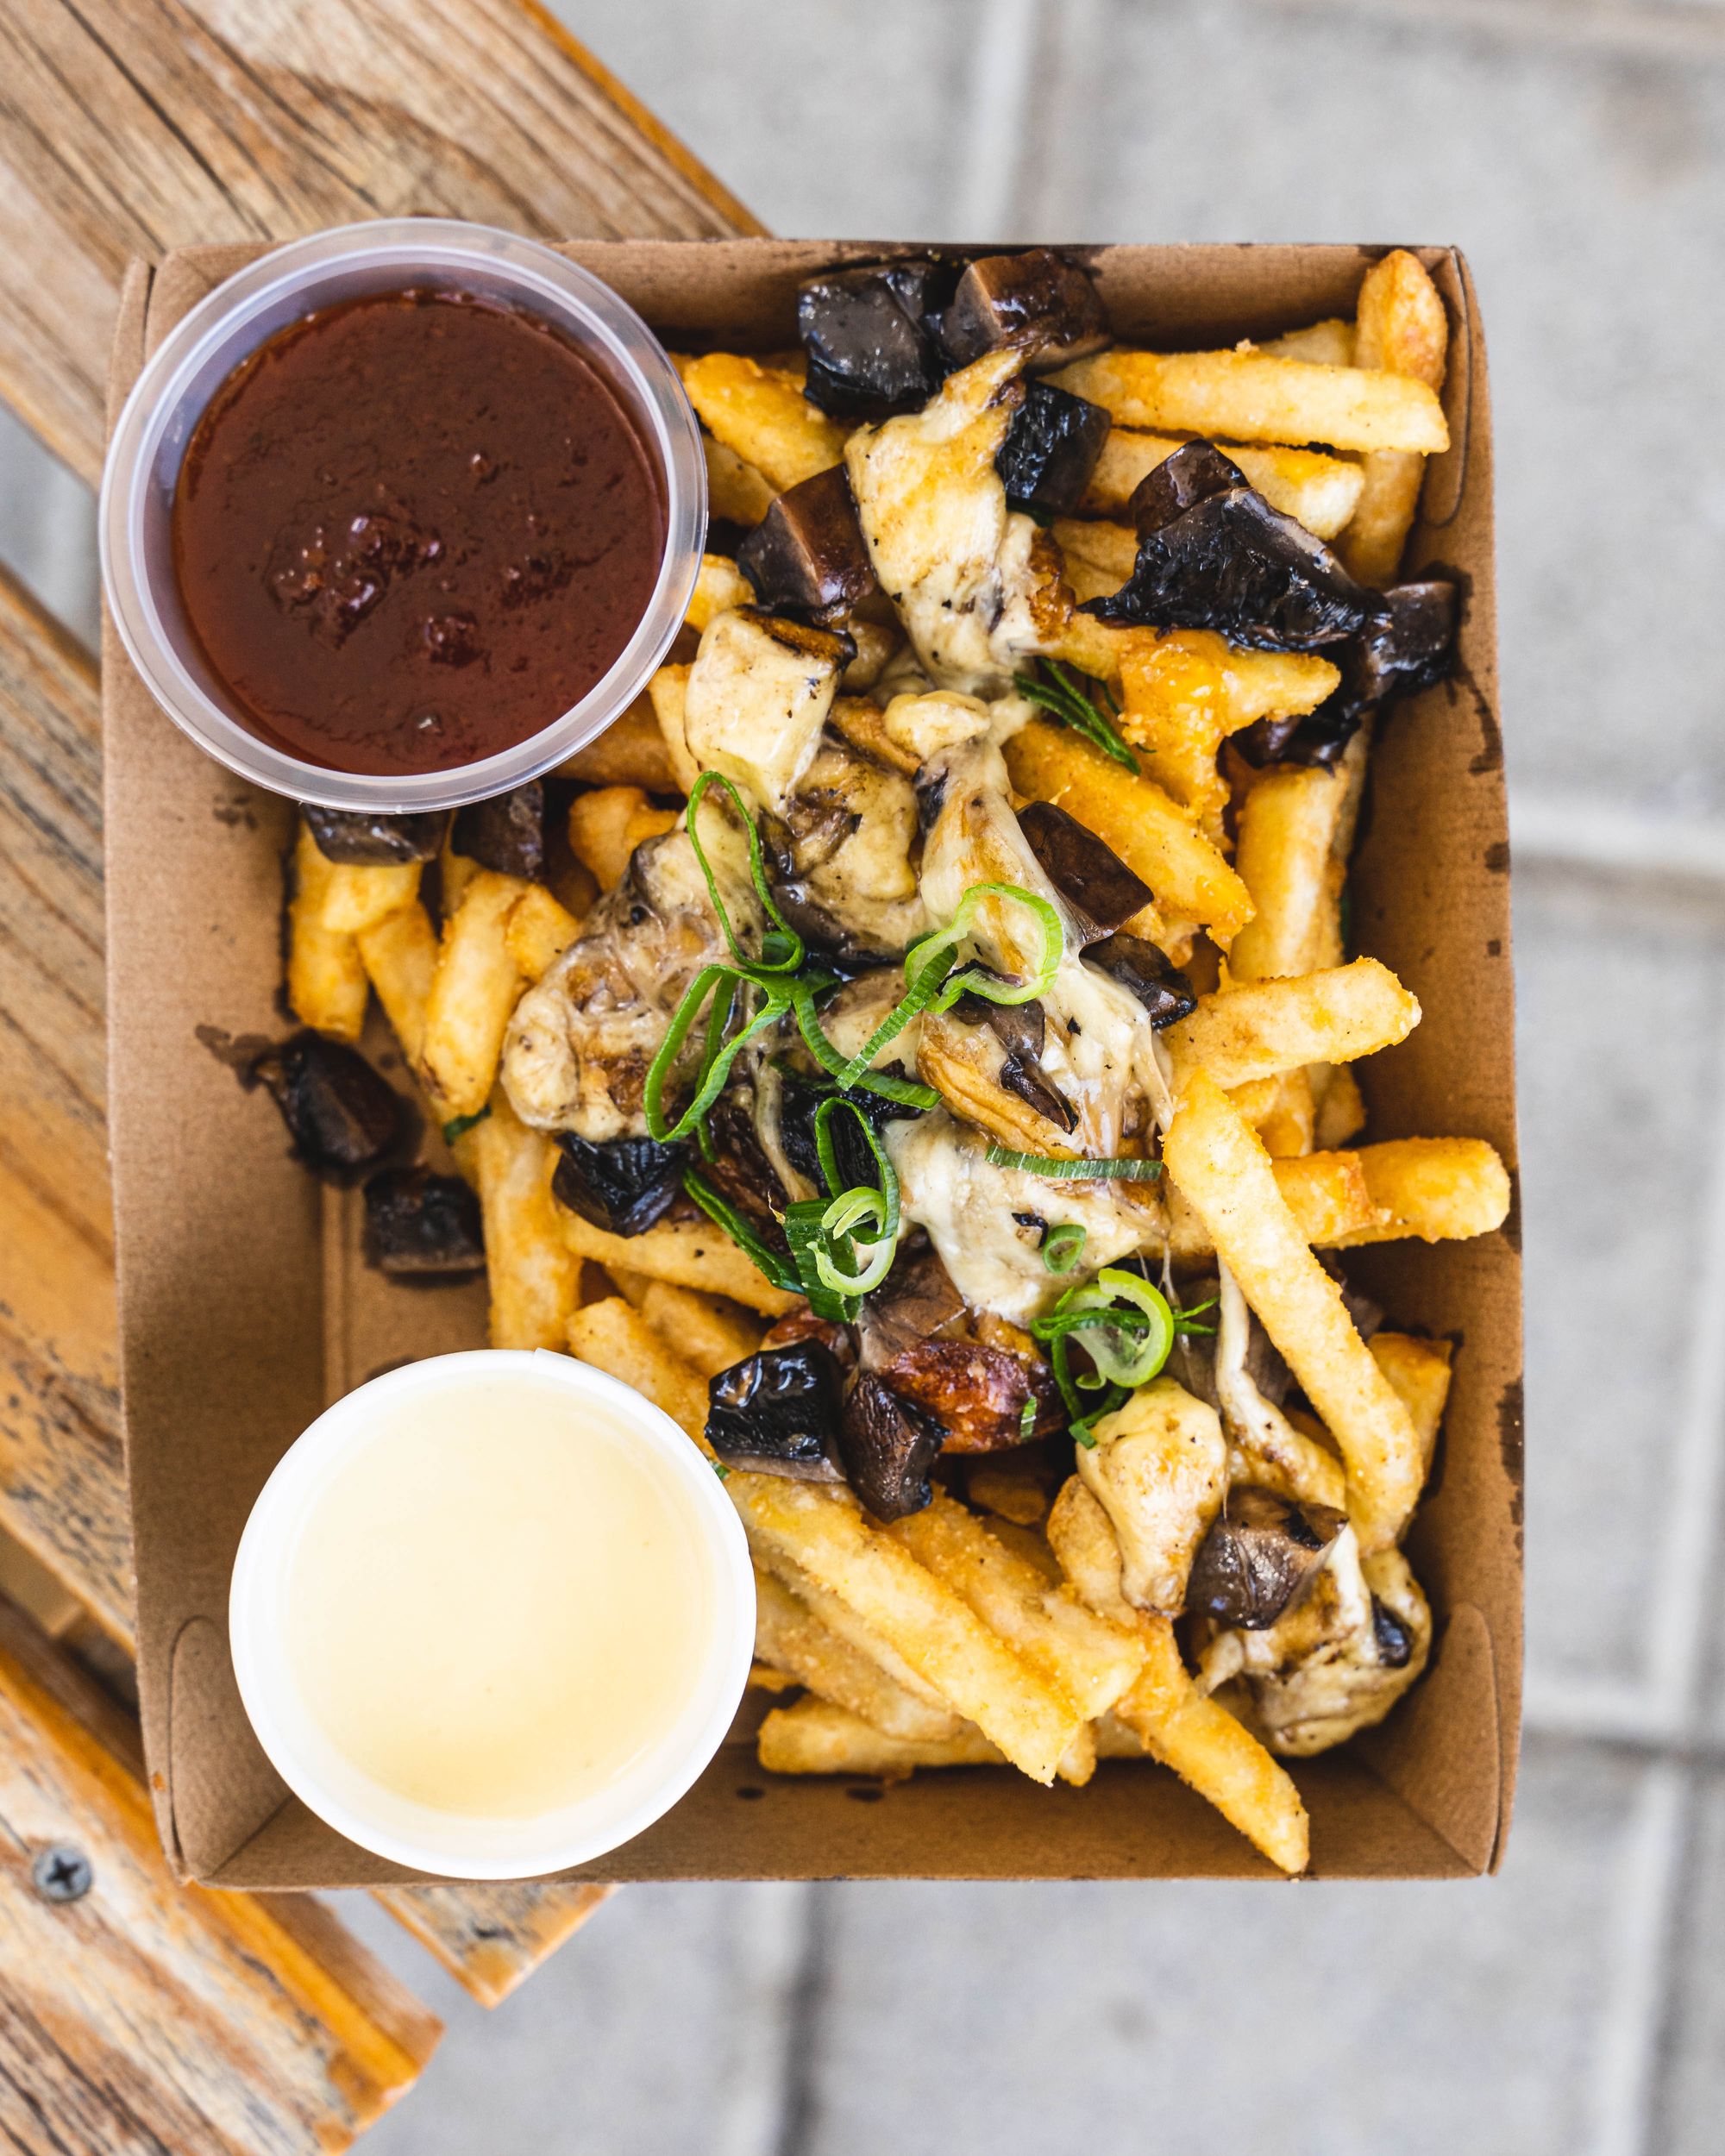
(61, 1873)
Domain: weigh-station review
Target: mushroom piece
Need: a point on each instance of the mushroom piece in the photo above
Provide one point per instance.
(807, 556)
(506, 833)
(1408, 648)
(778, 1412)
(888, 1447)
(975, 1392)
(1260, 1557)
(1213, 553)
(341, 1115)
(870, 352)
(1051, 449)
(351, 836)
(421, 1226)
(1145, 972)
(1021, 1028)
(843, 843)
(623, 1185)
(1159, 1467)
(1101, 891)
(1033, 301)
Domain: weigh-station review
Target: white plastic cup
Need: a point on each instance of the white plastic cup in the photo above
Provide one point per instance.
(459, 1844)
(200, 352)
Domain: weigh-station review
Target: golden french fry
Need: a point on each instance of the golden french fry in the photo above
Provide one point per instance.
(1281, 1111)
(1317, 491)
(816, 1737)
(979, 1677)
(1327, 1194)
(687, 1253)
(454, 872)
(1084, 1656)
(539, 930)
(719, 586)
(790, 1637)
(1284, 855)
(1209, 1751)
(400, 959)
(533, 1277)
(1341, 1107)
(668, 692)
(763, 1677)
(606, 826)
(1403, 329)
(359, 894)
(1097, 558)
(1438, 1189)
(475, 989)
(1228, 1179)
(711, 1333)
(760, 413)
(1250, 396)
(617, 1340)
(1149, 832)
(1419, 1371)
(1264, 1027)
(843, 1623)
(630, 751)
(1012, 1487)
(327, 986)
(735, 490)
(1330, 343)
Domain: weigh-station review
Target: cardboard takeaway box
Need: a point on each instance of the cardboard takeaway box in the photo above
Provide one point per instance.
(244, 1308)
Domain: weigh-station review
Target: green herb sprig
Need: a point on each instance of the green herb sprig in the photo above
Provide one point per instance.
(1078, 701)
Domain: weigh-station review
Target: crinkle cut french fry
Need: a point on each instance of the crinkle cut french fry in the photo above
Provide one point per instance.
(719, 586)
(1438, 1189)
(539, 930)
(1284, 855)
(1210, 1751)
(1264, 1027)
(972, 1668)
(533, 1277)
(1327, 1193)
(735, 490)
(475, 988)
(400, 959)
(687, 1253)
(1419, 1371)
(1403, 329)
(360, 894)
(617, 1340)
(1225, 1175)
(1149, 832)
(606, 826)
(1317, 491)
(1089, 1659)
(327, 988)
(629, 752)
(816, 1737)
(1253, 396)
(789, 1636)
(760, 413)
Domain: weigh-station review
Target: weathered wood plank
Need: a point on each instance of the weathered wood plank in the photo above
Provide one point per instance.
(491, 1938)
(128, 126)
(143, 2016)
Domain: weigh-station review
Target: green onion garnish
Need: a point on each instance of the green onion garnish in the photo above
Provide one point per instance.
(1075, 1171)
(787, 943)
(1061, 1244)
(1067, 695)
(1129, 1328)
(742, 1233)
(458, 1125)
(1027, 1419)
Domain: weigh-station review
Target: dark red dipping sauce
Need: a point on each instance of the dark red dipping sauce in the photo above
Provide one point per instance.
(412, 531)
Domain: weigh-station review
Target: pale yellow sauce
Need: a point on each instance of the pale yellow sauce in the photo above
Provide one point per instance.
(498, 1603)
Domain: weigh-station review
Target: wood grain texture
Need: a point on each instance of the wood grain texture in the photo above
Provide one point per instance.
(150, 2017)
(128, 126)
(62, 1477)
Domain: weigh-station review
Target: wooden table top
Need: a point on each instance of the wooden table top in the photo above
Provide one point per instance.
(126, 127)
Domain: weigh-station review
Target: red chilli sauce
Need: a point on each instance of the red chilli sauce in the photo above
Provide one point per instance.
(412, 531)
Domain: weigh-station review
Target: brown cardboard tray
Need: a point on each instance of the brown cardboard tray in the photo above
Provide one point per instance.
(244, 1309)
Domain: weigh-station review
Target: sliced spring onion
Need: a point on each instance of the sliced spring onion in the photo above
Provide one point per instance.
(1063, 1246)
(907, 1092)
(1075, 1171)
(783, 941)
(742, 1233)
(850, 1209)
(718, 1054)
(1067, 695)
(458, 1125)
(1027, 1419)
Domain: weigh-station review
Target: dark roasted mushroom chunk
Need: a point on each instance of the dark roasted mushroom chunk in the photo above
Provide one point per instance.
(1404, 650)
(1088, 874)
(1051, 450)
(888, 1447)
(1259, 1558)
(622, 1186)
(1035, 300)
(806, 557)
(777, 1412)
(351, 835)
(340, 1114)
(1394, 1639)
(798, 1104)
(1021, 1028)
(1146, 972)
(870, 351)
(1213, 553)
(421, 1226)
(506, 833)
(977, 1394)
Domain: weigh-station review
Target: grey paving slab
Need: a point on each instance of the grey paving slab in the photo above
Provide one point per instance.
(1619, 1042)
(660, 2029)
(1588, 186)
(1691, 2080)
(1214, 2020)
